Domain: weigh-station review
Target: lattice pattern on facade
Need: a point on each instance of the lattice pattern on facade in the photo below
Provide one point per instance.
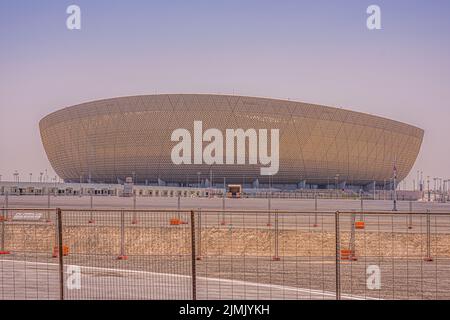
(130, 136)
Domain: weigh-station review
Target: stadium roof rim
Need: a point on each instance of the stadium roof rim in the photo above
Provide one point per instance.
(234, 96)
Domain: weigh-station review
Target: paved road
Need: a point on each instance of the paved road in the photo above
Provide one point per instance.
(216, 203)
(228, 279)
(37, 280)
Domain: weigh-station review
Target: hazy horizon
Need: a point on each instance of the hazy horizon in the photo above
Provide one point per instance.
(317, 52)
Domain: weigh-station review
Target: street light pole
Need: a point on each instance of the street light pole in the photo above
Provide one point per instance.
(434, 187)
(438, 188)
(16, 176)
(374, 190)
(448, 180)
(418, 181)
(395, 189)
(446, 190)
(56, 191)
(421, 180)
(210, 178)
(444, 184)
(337, 185)
(224, 186)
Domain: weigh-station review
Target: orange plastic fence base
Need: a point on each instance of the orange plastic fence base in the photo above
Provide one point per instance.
(175, 222)
(359, 224)
(348, 255)
(122, 258)
(349, 259)
(56, 251)
(5, 252)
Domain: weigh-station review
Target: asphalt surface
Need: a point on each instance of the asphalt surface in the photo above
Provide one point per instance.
(21, 280)
(223, 278)
(217, 203)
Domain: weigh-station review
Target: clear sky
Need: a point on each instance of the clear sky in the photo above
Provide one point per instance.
(313, 51)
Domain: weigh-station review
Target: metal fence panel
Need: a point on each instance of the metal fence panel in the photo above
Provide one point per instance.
(28, 244)
(395, 255)
(128, 254)
(223, 254)
(265, 255)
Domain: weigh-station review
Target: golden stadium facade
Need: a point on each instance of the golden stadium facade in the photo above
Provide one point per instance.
(110, 140)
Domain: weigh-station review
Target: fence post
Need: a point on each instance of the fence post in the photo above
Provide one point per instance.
(2, 240)
(410, 216)
(352, 246)
(338, 256)
(48, 206)
(199, 236)
(134, 220)
(269, 207)
(60, 253)
(361, 217)
(193, 257)
(91, 205)
(223, 210)
(179, 208)
(6, 204)
(276, 257)
(122, 255)
(428, 257)
(316, 223)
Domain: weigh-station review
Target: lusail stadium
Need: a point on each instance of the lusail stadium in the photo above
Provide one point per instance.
(109, 140)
